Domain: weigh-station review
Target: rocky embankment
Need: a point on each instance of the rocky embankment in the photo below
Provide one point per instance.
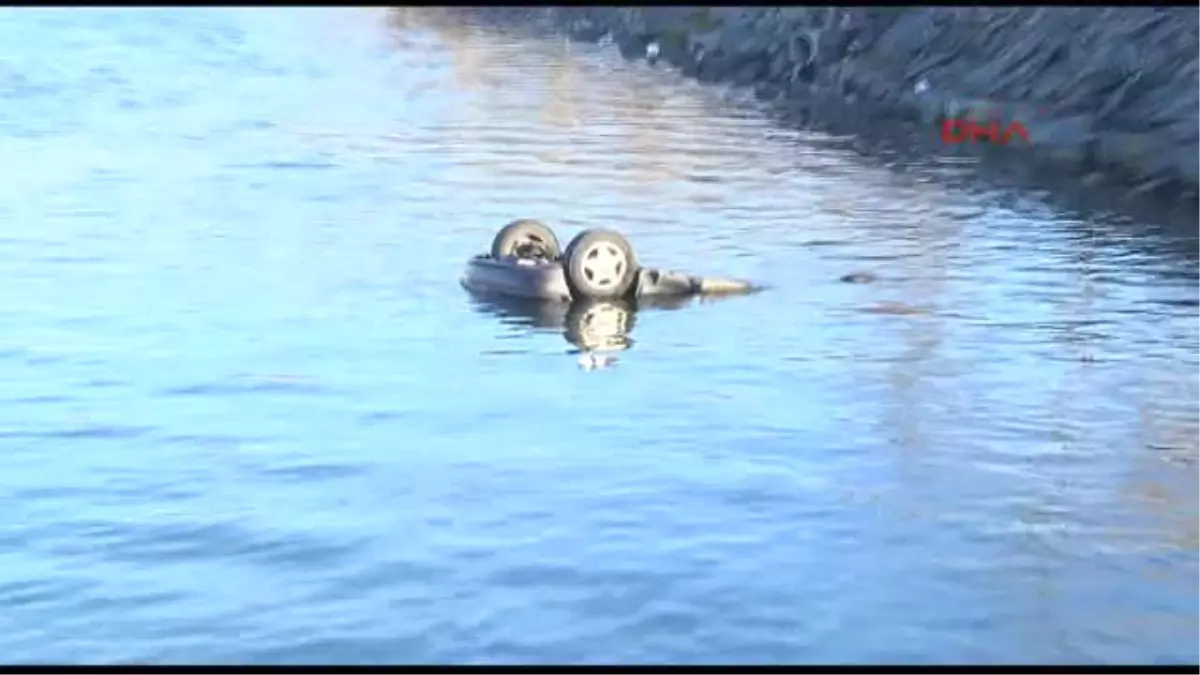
(1104, 91)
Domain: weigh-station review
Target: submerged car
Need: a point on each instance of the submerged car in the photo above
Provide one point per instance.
(526, 261)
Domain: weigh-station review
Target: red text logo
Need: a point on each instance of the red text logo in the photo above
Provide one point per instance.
(968, 131)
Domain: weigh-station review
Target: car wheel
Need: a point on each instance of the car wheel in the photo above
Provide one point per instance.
(599, 265)
(525, 239)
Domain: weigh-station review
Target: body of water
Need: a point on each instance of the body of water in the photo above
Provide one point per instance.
(247, 414)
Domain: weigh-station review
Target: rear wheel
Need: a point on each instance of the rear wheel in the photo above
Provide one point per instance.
(525, 239)
(599, 265)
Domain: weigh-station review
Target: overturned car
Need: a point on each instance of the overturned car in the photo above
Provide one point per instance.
(526, 261)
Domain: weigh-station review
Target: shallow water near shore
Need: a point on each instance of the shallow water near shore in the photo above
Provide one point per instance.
(247, 414)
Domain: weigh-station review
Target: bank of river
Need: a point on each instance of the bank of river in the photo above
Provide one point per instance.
(247, 414)
(1110, 94)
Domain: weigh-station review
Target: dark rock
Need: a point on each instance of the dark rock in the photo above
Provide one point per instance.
(632, 46)
(674, 48)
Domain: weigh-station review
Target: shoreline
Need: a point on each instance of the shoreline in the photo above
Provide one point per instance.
(1108, 95)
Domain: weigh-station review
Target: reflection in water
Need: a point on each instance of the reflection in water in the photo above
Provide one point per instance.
(596, 328)
(600, 326)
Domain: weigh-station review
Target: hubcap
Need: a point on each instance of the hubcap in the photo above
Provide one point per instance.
(603, 265)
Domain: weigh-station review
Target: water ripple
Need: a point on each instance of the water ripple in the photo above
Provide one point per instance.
(247, 415)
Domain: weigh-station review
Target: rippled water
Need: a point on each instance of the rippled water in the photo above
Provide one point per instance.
(247, 413)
